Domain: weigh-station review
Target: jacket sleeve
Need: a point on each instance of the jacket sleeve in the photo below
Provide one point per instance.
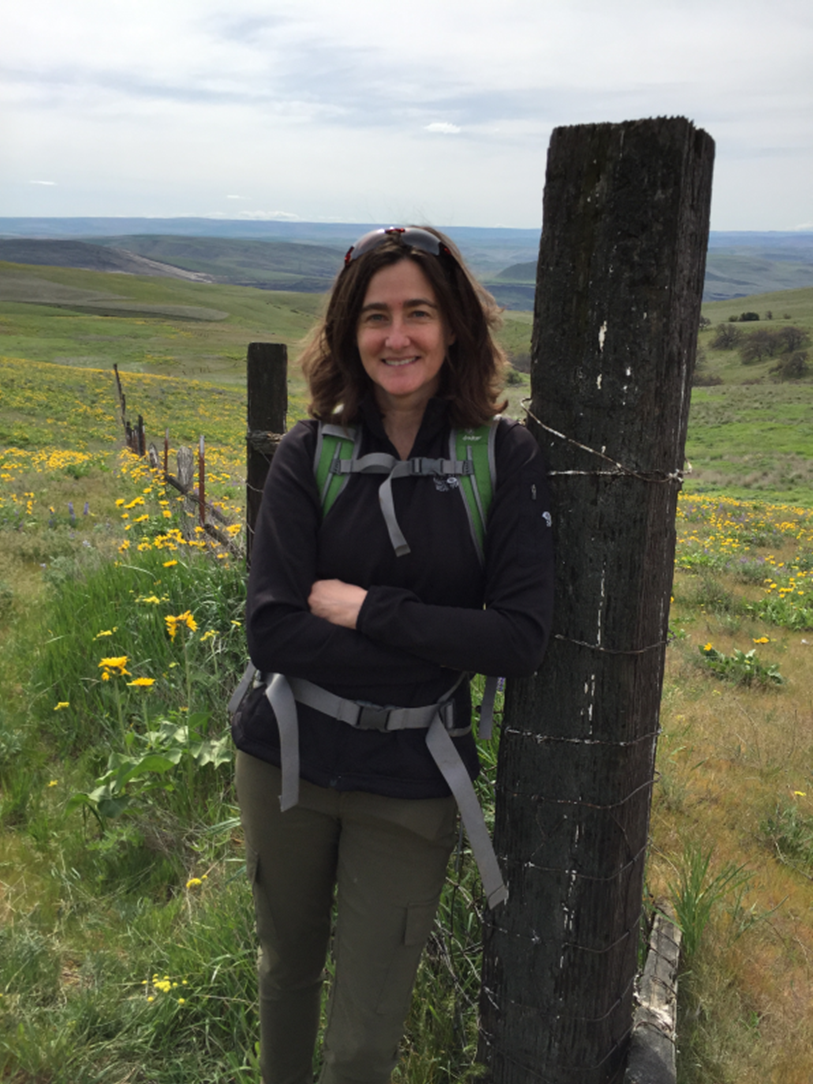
(282, 633)
(508, 636)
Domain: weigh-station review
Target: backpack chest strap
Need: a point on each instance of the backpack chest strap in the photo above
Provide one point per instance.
(382, 463)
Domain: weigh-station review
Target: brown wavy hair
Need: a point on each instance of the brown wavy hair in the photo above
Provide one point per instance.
(473, 372)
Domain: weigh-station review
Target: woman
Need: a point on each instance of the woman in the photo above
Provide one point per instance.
(382, 600)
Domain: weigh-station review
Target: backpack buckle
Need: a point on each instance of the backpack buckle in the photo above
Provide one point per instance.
(372, 718)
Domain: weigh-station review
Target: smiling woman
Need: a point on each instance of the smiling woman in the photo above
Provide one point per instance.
(365, 616)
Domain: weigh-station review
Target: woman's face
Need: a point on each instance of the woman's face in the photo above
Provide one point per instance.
(402, 336)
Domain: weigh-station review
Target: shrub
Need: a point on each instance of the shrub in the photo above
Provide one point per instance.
(793, 368)
(726, 337)
(792, 338)
(759, 345)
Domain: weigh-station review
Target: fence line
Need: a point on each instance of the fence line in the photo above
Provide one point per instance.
(194, 497)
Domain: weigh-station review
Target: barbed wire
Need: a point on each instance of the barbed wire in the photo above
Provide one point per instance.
(536, 797)
(540, 739)
(610, 651)
(621, 469)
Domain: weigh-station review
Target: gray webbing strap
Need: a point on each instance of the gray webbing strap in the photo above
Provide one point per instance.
(281, 699)
(399, 543)
(454, 772)
(382, 463)
(283, 694)
(241, 689)
(487, 708)
(370, 717)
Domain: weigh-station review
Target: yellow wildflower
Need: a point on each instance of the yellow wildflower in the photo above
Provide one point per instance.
(61, 704)
(53, 783)
(114, 663)
(193, 882)
(708, 646)
(173, 621)
(145, 682)
(167, 564)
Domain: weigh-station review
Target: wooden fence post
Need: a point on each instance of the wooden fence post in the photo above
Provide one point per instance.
(267, 403)
(619, 284)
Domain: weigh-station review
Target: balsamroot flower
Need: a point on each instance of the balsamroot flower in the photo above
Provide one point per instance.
(114, 665)
(175, 620)
(143, 682)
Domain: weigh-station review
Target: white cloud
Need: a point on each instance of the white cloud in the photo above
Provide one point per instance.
(442, 126)
(141, 103)
(276, 216)
(42, 182)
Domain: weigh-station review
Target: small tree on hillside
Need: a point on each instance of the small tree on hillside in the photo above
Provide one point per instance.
(759, 345)
(792, 338)
(726, 337)
(795, 368)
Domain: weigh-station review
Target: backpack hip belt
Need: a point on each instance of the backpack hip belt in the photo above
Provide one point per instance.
(438, 720)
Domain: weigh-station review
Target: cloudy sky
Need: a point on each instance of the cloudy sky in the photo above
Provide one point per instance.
(368, 111)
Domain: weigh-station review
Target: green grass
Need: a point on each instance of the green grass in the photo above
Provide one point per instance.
(94, 916)
(94, 319)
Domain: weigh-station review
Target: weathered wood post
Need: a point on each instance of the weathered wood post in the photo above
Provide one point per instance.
(619, 284)
(267, 403)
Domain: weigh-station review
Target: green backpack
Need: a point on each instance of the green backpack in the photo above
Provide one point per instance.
(471, 462)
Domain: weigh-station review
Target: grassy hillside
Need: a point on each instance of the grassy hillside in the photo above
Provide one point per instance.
(749, 435)
(306, 256)
(162, 326)
(126, 924)
(274, 265)
(732, 275)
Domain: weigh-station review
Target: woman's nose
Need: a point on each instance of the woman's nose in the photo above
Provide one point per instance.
(397, 336)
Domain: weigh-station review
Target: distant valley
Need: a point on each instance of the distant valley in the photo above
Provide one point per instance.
(304, 257)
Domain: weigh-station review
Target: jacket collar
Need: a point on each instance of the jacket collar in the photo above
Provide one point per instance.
(434, 422)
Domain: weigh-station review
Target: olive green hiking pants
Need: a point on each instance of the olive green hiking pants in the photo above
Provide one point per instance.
(387, 859)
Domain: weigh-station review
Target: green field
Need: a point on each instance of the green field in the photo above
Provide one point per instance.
(748, 436)
(126, 929)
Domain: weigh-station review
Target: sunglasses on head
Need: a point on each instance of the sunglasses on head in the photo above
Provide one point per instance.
(413, 236)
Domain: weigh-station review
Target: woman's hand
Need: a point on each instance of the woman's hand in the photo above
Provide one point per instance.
(336, 601)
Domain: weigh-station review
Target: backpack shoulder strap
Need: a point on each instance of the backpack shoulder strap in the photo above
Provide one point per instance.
(476, 446)
(334, 443)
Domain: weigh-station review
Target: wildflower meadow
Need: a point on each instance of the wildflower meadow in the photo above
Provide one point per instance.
(127, 948)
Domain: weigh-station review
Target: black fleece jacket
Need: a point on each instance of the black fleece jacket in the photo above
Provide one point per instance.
(428, 615)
